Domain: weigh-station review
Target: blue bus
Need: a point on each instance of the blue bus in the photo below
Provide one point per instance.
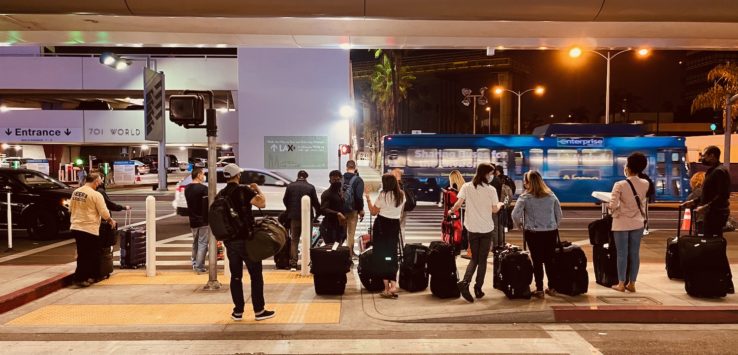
(573, 167)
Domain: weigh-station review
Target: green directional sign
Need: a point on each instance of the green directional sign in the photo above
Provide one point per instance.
(296, 152)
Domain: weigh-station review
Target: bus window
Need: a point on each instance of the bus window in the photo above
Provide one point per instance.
(483, 156)
(595, 157)
(395, 159)
(499, 158)
(661, 164)
(519, 163)
(560, 163)
(422, 158)
(676, 170)
(536, 159)
(457, 158)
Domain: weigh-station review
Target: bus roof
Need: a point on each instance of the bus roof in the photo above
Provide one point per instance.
(589, 130)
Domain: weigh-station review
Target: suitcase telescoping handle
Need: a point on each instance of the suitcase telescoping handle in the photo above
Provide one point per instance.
(127, 217)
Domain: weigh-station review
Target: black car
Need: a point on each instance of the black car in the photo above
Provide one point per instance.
(152, 161)
(40, 203)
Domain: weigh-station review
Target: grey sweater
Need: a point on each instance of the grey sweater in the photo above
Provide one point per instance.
(541, 214)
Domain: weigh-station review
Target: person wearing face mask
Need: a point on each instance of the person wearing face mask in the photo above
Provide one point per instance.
(714, 203)
(627, 206)
(481, 202)
(333, 226)
(87, 208)
(538, 212)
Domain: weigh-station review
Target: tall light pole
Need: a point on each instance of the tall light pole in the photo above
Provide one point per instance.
(489, 119)
(469, 98)
(539, 90)
(576, 52)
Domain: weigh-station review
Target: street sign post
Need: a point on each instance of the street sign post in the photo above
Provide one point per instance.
(154, 108)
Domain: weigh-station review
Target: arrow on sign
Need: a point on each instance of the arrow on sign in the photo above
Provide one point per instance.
(274, 147)
(67, 132)
(8, 131)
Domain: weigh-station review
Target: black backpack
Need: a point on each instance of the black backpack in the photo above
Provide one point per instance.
(410, 200)
(223, 218)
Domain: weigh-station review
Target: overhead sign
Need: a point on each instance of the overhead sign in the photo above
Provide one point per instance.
(26, 134)
(594, 142)
(296, 152)
(154, 105)
(121, 127)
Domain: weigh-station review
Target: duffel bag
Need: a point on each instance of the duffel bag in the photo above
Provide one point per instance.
(267, 238)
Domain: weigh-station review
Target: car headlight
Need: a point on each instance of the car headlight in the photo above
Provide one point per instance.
(64, 202)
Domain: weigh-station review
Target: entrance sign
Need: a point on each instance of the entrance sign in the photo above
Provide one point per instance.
(51, 135)
(296, 152)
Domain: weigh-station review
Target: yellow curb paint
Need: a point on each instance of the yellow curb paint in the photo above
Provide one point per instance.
(186, 278)
(174, 314)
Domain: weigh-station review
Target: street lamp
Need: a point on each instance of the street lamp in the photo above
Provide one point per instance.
(576, 52)
(538, 90)
(469, 98)
(489, 119)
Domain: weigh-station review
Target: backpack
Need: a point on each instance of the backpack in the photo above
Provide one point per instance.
(347, 192)
(410, 201)
(510, 183)
(223, 218)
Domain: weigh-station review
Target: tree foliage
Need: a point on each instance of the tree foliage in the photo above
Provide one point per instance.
(390, 83)
(725, 84)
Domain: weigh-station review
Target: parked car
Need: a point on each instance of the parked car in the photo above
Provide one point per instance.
(8, 161)
(152, 160)
(199, 162)
(223, 161)
(271, 183)
(141, 168)
(40, 203)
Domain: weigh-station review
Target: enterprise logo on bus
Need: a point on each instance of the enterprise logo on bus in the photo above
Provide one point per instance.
(580, 142)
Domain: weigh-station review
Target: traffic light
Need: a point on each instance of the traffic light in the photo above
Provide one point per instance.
(345, 149)
(713, 127)
(187, 110)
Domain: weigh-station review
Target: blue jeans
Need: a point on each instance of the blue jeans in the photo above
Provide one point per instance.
(628, 245)
(199, 247)
(236, 249)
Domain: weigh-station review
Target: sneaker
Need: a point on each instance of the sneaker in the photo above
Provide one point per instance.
(263, 315)
(464, 289)
(201, 271)
(83, 283)
(293, 269)
(237, 316)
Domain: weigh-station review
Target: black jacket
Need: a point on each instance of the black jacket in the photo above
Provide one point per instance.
(716, 190)
(112, 206)
(293, 196)
(358, 190)
(331, 204)
(196, 194)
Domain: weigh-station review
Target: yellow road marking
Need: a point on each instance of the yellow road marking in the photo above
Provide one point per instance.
(174, 314)
(187, 278)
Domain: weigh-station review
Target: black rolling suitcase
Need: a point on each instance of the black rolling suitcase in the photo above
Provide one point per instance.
(133, 247)
(672, 260)
(414, 268)
(512, 269)
(704, 265)
(329, 265)
(442, 270)
(106, 262)
(367, 271)
(605, 260)
(569, 269)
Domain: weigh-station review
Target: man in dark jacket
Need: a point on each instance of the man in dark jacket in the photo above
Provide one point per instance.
(354, 184)
(244, 197)
(293, 202)
(333, 226)
(195, 194)
(715, 200)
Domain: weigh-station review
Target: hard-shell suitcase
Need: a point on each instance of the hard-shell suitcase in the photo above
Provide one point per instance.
(569, 269)
(330, 259)
(133, 247)
(414, 268)
(512, 268)
(106, 262)
(367, 271)
(704, 263)
(329, 284)
(442, 269)
(671, 259)
(605, 260)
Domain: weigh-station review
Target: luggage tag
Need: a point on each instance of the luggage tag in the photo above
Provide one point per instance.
(335, 246)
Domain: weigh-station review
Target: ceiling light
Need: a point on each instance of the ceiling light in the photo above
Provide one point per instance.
(182, 148)
(108, 58)
(345, 46)
(347, 111)
(4, 108)
(144, 147)
(226, 146)
(5, 146)
(221, 45)
(137, 45)
(223, 110)
(575, 52)
(122, 64)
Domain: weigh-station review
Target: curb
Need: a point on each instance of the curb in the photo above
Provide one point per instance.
(646, 314)
(33, 292)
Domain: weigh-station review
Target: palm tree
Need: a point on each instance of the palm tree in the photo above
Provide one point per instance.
(725, 83)
(390, 83)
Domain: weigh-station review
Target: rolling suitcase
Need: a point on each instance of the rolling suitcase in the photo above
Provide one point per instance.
(414, 268)
(512, 268)
(672, 261)
(329, 284)
(366, 270)
(569, 269)
(442, 270)
(106, 263)
(703, 261)
(329, 265)
(133, 247)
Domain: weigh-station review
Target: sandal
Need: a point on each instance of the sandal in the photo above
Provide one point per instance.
(386, 295)
(618, 288)
(630, 287)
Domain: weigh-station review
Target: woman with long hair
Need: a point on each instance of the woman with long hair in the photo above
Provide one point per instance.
(386, 231)
(481, 201)
(538, 213)
(696, 183)
(627, 205)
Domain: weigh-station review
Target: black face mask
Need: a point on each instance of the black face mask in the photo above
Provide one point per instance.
(336, 185)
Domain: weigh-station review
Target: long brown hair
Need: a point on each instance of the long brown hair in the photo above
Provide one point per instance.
(481, 176)
(536, 186)
(390, 185)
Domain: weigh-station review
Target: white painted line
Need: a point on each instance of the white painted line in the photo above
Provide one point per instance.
(64, 242)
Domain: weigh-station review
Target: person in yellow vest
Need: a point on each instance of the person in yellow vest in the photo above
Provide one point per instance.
(87, 208)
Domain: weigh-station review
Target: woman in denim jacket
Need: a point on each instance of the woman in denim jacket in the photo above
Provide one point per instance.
(538, 213)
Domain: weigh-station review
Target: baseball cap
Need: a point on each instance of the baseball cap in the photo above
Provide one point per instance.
(231, 170)
(302, 174)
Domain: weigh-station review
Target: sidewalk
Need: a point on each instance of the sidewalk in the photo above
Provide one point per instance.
(129, 300)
